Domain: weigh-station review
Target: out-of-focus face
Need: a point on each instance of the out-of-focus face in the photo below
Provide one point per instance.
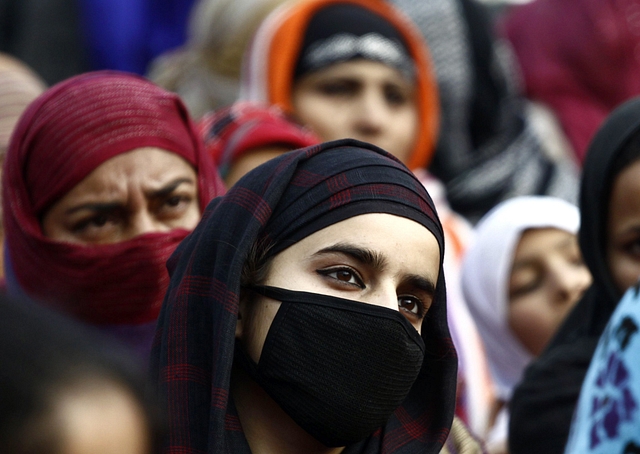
(102, 420)
(547, 279)
(623, 228)
(377, 258)
(142, 191)
(360, 99)
(249, 161)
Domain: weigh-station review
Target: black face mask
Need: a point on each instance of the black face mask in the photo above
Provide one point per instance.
(338, 368)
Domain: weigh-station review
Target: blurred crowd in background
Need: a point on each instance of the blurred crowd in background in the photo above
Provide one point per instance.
(121, 120)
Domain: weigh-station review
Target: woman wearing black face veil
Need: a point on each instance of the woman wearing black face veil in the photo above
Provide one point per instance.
(543, 404)
(337, 371)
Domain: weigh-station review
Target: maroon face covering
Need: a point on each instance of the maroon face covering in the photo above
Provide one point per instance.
(63, 136)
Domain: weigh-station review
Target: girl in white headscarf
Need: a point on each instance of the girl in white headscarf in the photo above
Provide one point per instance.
(520, 277)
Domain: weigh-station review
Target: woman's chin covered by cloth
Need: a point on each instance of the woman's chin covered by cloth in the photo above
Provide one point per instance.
(104, 176)
(307, 313)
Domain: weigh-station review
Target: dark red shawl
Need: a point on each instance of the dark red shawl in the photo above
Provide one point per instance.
(580, 57)
(286, 199)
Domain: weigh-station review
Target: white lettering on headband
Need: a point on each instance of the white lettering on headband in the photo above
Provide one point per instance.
(372, 46)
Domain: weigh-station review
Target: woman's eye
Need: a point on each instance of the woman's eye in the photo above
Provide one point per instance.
(633, 248)
(337, 88)
(412, 305)
(97, 222)
(96, 228)
(175, 200)
(395, 96)
(344, 275)
(524, 288)
(175, 204)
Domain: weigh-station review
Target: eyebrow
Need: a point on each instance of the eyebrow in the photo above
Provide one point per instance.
(98, 207)
(361, 254)
(168, 188)
(421, 283)
(378, 262)
(105, 207)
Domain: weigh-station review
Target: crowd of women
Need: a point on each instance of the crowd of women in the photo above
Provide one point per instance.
(246, 250)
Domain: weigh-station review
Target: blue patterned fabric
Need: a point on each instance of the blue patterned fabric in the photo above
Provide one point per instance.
(607, 418)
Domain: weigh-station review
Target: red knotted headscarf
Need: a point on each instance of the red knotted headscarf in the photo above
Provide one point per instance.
(63, 136)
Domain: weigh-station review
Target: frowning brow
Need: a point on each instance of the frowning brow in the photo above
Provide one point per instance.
(361, 254)
(95, 207)
(105, 207)
(168, 188)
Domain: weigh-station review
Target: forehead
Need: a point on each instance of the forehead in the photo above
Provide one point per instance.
(143, 168)
(402, 242)
(140, 164)
(143, 160)
(363, 70)
(540, 242)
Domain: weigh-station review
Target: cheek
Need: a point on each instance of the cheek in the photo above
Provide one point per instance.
(257, 324)
(625, 270)
(53, 228)
(191, 218)
(327, 118)
(408, 140)
(532, 321)
(405, 135)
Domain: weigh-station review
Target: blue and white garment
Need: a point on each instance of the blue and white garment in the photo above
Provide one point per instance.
(607, 417)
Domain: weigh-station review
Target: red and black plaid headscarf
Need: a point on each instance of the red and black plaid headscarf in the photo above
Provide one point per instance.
(63, 136)
(285, 200)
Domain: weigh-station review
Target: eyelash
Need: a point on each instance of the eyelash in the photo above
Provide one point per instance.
(359, 281)
(96, 220)
(421, 309)
(176, 199)
(525, 289)
(573, 258)
(419, 304)
(395, 96)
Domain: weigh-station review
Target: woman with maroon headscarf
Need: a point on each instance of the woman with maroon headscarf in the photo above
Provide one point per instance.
(104, 176)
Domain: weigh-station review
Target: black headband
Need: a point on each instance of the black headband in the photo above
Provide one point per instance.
(345, 32)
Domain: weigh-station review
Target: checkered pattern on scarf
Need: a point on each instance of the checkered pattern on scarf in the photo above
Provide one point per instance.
(285, 200)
